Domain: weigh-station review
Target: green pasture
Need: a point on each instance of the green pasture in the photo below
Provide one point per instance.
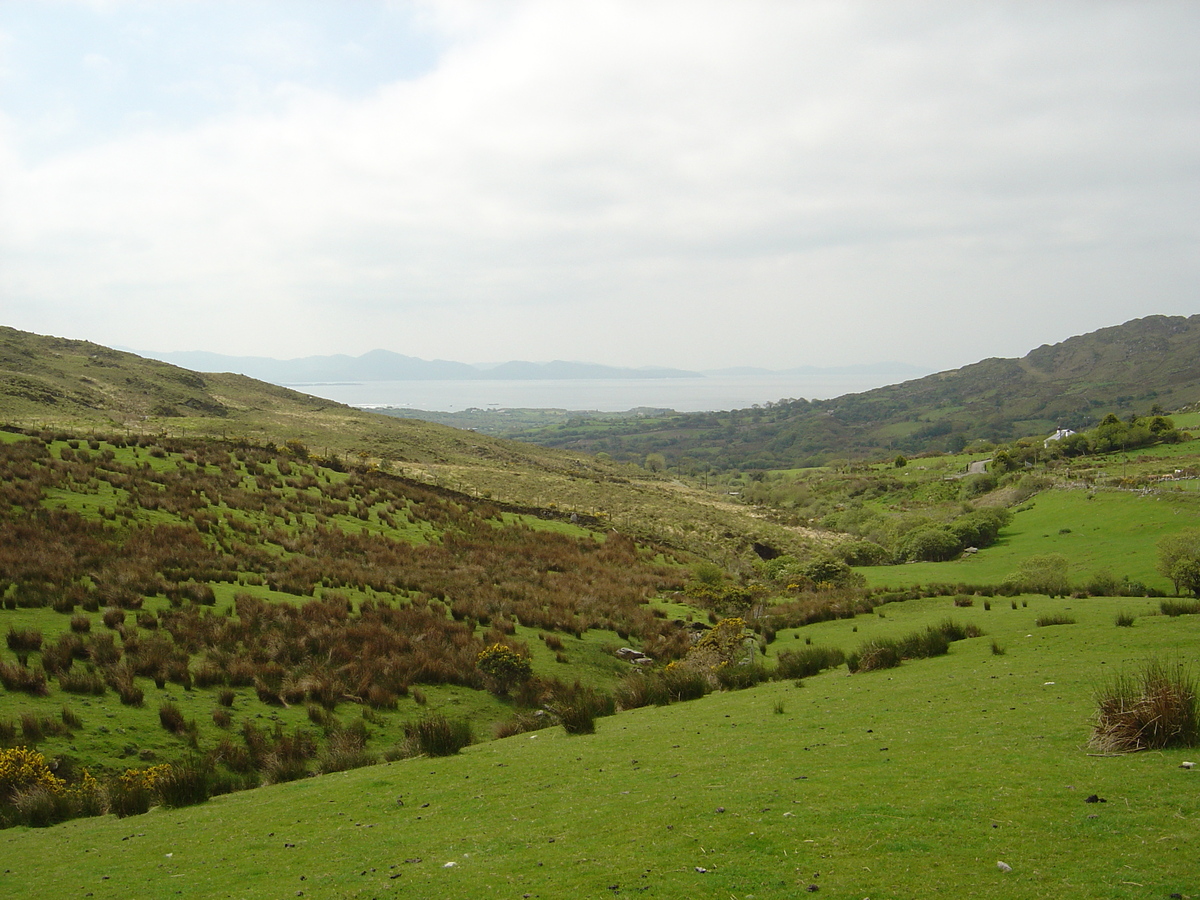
(1102, 530)
(912, 782)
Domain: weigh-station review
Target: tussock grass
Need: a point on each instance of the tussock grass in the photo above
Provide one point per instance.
(1048, 619)
(1150, 709)
(1179, 607)
(436, 735)
(807, 661)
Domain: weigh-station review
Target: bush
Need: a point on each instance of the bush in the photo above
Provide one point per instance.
(807, 661)
(1152, 709)
(737, 677)
(521, 723)
(503, 667)
(346, 749)
(1179, 607)
(1124, 620)
(185, 783)
(577, 719)
(436, 735)
(16, 677)
(964, 600)
(171, 718)
(82, 682)
(135, 791)
(24, 640)
(924, 644)
(873, 655)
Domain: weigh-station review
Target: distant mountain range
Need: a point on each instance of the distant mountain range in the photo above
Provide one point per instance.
(384, 365)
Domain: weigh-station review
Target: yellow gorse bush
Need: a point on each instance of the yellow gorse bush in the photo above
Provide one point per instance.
(144, 778)
(22, 768)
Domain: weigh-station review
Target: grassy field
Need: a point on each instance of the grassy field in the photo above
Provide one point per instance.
(1105, 530)
(903, 783)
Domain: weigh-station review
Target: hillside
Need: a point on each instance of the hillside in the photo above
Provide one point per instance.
(53, 383)
(913, 782)
(1154, 361)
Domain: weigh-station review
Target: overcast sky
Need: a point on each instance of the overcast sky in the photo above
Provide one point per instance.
(695, 184)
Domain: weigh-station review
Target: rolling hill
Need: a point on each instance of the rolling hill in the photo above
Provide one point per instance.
(1124, 369)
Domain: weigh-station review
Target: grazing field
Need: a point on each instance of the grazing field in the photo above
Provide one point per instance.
(914, 781)
(1114, 531)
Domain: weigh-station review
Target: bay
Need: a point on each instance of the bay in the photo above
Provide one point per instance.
(601, 394)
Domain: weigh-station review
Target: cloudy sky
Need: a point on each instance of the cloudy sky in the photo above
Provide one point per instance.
(697, 184)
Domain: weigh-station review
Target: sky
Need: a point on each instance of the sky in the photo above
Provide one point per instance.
(696, 184)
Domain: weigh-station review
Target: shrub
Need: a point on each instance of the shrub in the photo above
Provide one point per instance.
(112, 617)
(24, 640)
(16, 677)
(736, 677)
(954, 631)
(503, 667)
(21, 769)
(1179, 607)
(577, 719)
(222, 718)
(171, 718)
(81, 624)
(82, 682)
(134, 791)
(345, 750)
(964, 600)
(1151, 709)
(640, 689)
(39, 806)
(1124, 619)
(807, 661)
(521, 723)
(924, 644)
(435, 735)
(997, 650)
(70, 719)
(185, 783)
(876, 654)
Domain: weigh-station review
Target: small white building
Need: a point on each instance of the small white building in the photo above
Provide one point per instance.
(1057, 436)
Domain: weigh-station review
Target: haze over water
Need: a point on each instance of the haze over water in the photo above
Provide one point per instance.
(601, 394)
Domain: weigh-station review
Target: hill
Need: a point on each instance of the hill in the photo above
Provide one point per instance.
(1145, 363)
(56, 384)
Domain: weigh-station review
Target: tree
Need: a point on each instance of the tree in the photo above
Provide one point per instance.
(1179, 560)
(1045, 574)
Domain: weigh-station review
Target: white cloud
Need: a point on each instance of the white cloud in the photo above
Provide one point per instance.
(696, 183)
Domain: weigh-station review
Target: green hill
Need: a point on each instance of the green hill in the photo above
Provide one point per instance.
(1154, 361)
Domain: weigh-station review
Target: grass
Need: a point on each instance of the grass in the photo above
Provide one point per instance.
(1115, 531)
(906, 783)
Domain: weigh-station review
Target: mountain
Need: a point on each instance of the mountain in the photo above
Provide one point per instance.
(1129, 368)
(384, 365)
